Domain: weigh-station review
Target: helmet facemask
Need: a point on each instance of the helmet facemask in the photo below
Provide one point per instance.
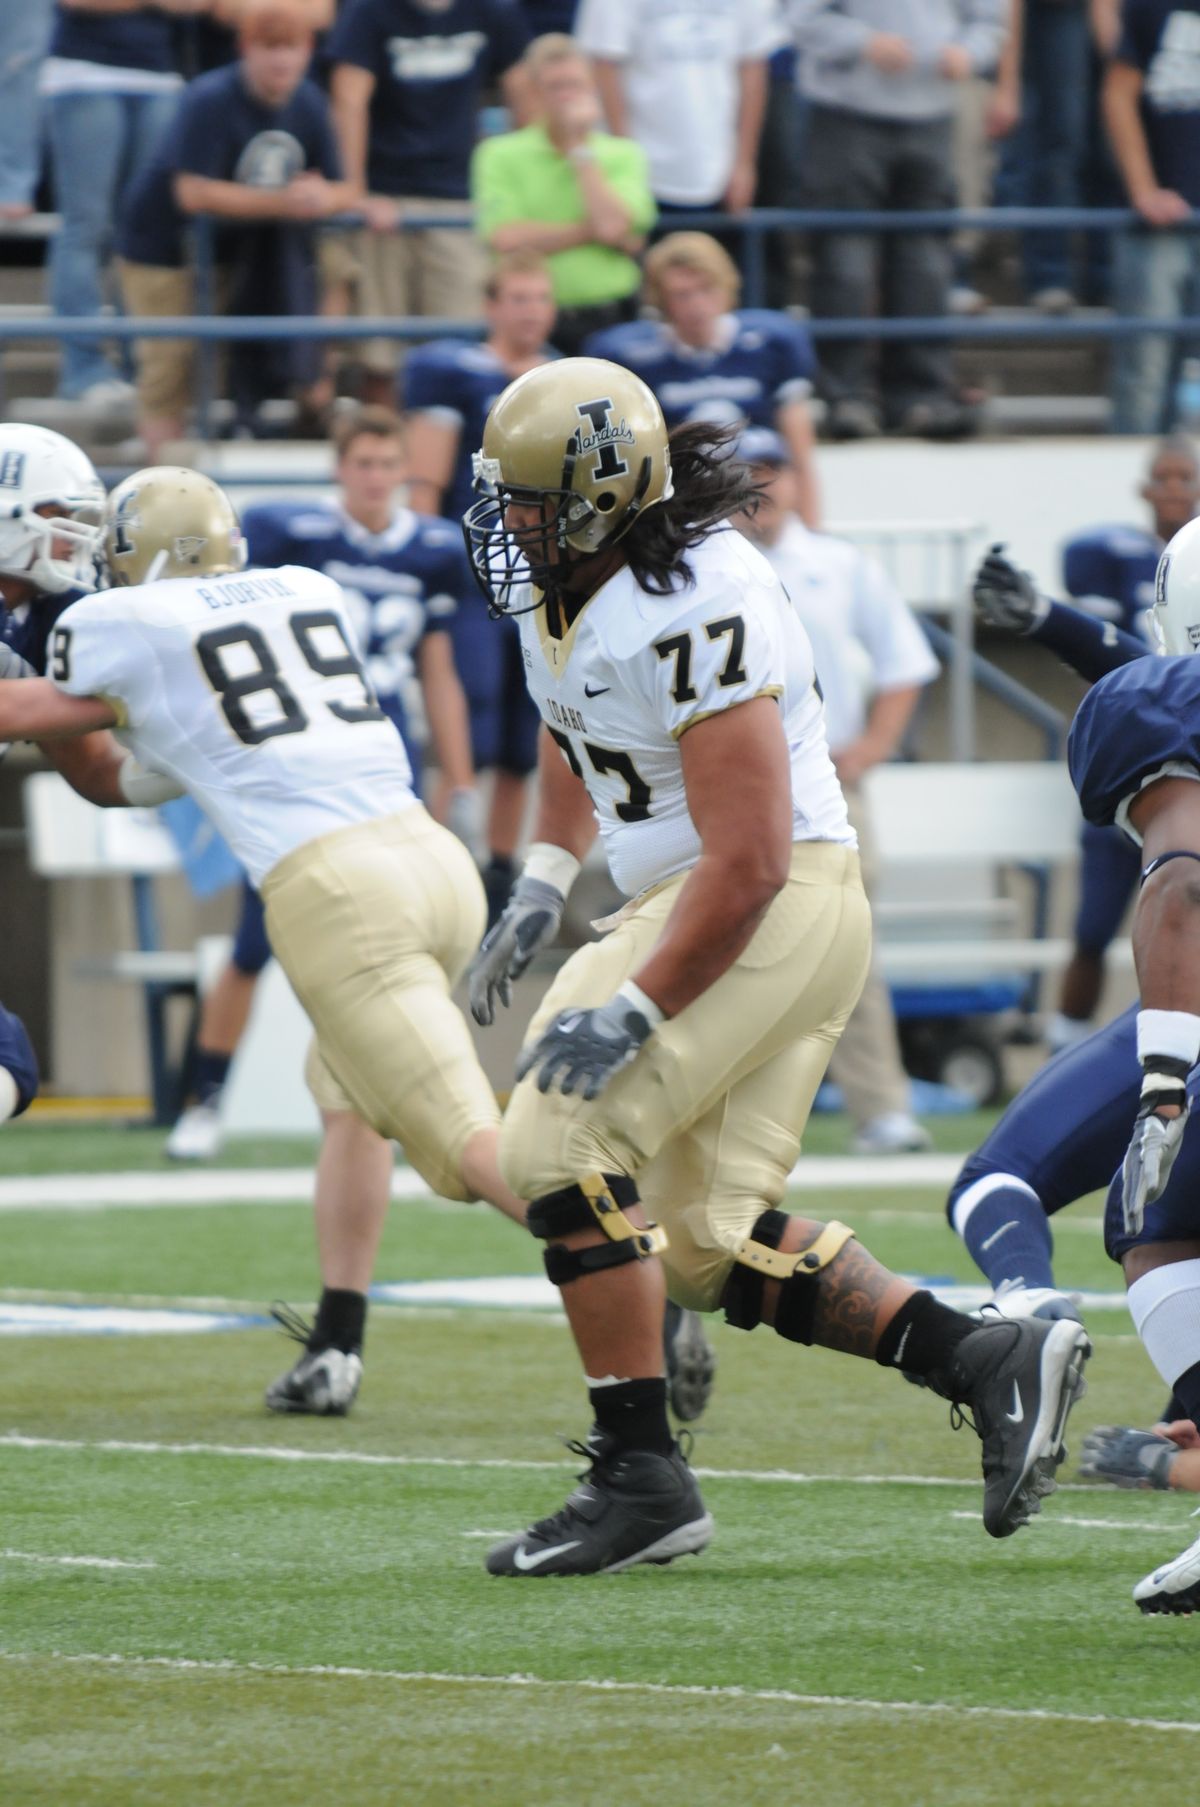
(56, 552)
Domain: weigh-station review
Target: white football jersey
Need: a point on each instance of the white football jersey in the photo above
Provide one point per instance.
(635, 670)
(248, 690)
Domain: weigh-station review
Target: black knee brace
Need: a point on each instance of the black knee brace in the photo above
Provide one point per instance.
(599, 1198)
(759, 1259)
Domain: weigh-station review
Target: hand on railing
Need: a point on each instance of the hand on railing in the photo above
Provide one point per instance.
(1161, 206)
(890, 54)
(381, 214)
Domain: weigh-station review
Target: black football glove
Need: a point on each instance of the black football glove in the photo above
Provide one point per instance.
(1005, 597)
(583, 1049)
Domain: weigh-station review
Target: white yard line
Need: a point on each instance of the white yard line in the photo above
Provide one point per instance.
(74, 1562)
(589, 1685)
(1090, 1524)
(266, 1452)
(293, 1185)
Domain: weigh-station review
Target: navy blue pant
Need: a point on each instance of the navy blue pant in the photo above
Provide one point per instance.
(504, 718)
(1110, 866)
(17, 1055)
(251, 949)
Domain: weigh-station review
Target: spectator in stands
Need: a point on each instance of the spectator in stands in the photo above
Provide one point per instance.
(873, 661)
(253, 144)
(1152, 110)
(690, 85)
(111, 86)
(1042, 161)
(570, 191)
(24, 34)
(448, 390)
(879, 81)
(707, 358)
(408, 76)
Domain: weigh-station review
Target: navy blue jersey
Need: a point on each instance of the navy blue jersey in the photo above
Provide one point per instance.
(431, 64)
(456, 383)
(762, 359)
(222, 131)
(142, 39)
(26, 628)
(1135, 721)
(399, 585)
(1109, 571)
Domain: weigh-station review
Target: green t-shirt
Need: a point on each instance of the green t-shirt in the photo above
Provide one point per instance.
(520, 176)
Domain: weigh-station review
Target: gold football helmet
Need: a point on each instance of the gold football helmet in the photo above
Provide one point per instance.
(169, 522)
(584, 441)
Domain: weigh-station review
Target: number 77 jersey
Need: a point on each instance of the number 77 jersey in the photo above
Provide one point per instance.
(248, 689)
(634, 671)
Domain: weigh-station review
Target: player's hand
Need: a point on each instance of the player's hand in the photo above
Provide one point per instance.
(1156, 1138)
(530, 921)
(583, 1049)
(1127, 1458)
(1005, 597)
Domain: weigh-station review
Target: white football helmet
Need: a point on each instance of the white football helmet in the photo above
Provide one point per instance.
(1176, 612)
(54, 550)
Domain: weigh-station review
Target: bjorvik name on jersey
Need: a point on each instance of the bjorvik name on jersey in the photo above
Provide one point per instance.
(249, 691)
(635, 671)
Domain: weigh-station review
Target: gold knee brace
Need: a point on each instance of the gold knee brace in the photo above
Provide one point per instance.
(598, 1198)
(760, 1258)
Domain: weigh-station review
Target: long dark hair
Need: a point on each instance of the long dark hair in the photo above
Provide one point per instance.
(710, 485)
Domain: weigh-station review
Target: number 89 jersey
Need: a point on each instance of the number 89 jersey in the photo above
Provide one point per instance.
(246, 689)
(635, 670)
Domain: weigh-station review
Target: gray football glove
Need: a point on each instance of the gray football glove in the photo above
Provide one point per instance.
(1127, 1458)
(1005, 597)
(530, 921)
(1156, 1140)
(583, 1049)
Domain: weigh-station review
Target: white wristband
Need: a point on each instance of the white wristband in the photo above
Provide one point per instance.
(144, 789)
(1173, 1033)
(552, 865)
(633, 994)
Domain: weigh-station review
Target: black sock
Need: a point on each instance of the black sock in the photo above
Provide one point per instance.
(635, 1413)
(1187, 1393)
(212, 1070)
(923, 1335)
(341, 1322)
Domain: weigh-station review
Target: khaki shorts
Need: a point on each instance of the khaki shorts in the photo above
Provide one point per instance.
(373, 925)
(709, 1117)
(164, 366)
(437, 272)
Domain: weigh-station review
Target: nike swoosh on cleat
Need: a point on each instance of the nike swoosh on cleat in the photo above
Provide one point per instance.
(526, 1560)
(1017, 1415)
(603, 690)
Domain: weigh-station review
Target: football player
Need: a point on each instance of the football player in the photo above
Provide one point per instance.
(248, 691)
(666, 1079)
(708, 359)
(1135, 759)
(448, 389)
(402, 577)
(50, 505)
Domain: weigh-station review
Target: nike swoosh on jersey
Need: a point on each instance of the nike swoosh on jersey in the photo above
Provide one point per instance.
(526, 1560)
(603, 690)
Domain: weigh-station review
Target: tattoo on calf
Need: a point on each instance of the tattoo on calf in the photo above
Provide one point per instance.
(851, 1291)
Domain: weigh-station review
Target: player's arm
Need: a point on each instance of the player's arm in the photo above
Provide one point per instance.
(1166, 953)
(737, 781)
(564, 829)
(446, 710)
(794, 421)
(36, 709)
(430, 448)
(887, 722)
(1008, 599)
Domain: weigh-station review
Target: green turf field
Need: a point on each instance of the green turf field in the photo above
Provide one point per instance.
(297, 1609)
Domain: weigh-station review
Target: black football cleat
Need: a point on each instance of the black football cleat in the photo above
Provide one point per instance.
(691, 1362)
(1018, 1381)
(629, 1507)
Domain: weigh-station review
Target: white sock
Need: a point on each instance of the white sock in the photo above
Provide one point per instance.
(1165, 1306)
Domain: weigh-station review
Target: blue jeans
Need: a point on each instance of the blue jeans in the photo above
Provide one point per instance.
(1156, 276)
(24, 34)
(98, 142)
(1042, 162)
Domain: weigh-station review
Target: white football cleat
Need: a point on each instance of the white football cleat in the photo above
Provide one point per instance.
(1173, 1588)
(1011, 1299)
(197, 1135)
(323, 1384)
(895, 1133)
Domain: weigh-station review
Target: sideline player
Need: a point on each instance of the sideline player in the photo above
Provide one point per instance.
(448, 389)
(402, 577)
(1134, 754)
(248, 691)
(50, 506)
(675, 1061)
